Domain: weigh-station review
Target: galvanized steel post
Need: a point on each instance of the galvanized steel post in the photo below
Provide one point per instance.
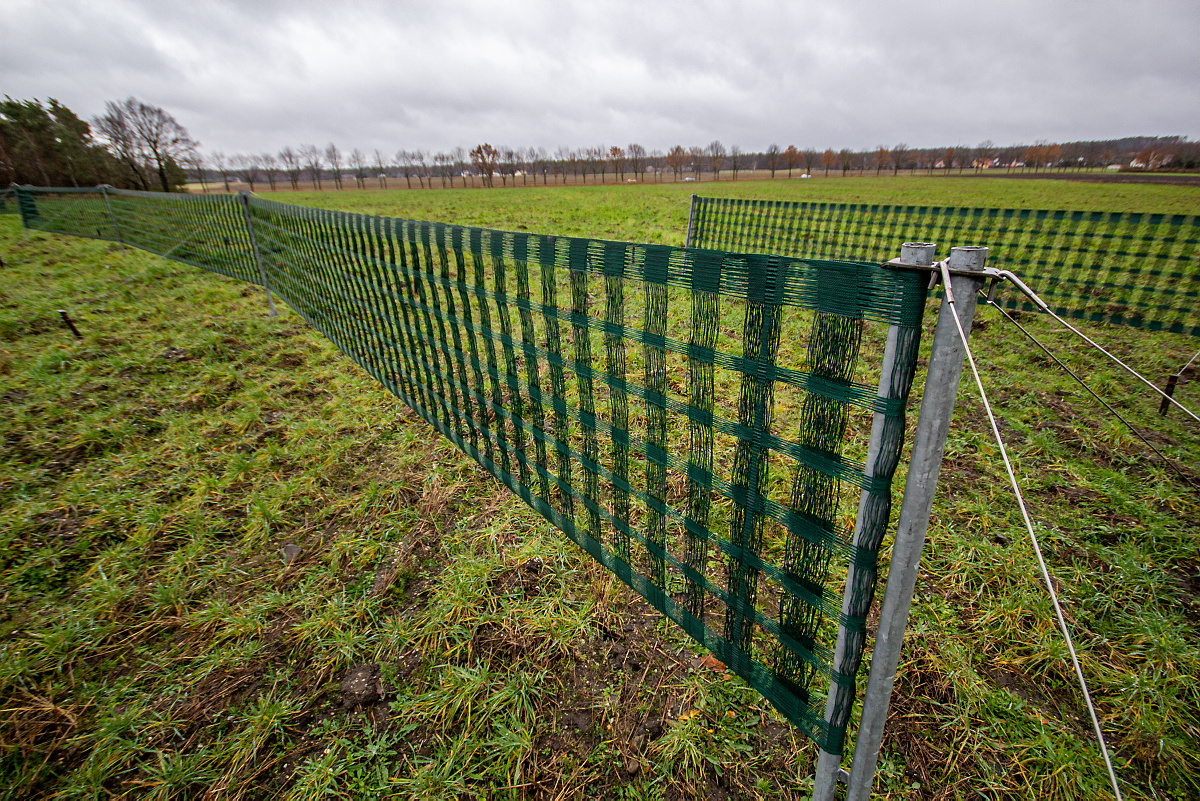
(244, 197)
(112, 217)
(929, 444)
(691, 223)
(849, 647)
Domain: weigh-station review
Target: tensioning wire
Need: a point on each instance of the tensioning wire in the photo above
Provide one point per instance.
(1041, 304)
(1037, 548)
(1082, 383)
(1189, 364)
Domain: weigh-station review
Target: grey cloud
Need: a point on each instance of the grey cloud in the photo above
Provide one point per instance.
(258, 75)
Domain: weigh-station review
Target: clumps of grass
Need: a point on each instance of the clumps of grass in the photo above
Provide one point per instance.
(210, 522)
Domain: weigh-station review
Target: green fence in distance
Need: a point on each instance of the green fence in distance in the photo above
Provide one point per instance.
(1128, 268)
(207, 231)
(696, 420)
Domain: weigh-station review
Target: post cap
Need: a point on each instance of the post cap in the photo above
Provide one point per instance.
(970, 258)
(917, 254)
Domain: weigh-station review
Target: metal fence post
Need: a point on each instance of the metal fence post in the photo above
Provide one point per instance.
(244, 198)
(691, 223)
(929, 444)
(112, 217)
(16, 188)
(881, 459)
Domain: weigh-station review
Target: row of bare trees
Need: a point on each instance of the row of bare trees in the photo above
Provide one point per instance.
(483, 165)
(488, 165)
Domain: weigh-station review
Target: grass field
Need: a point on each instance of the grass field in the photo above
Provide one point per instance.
(233, 563)
(659, 212)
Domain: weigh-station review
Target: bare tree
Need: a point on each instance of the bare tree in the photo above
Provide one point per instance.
(517, 162)
(618, 157)
(562, 160)
(380, 167)
(221, 165)
(334, 157)
(538, 163)
(948, 159)
(485, 157)
(883, 155)
(248, 164)
(772, 155)
(358, 160)
(505, 164)
(270, 166)
(696, 155)
(528, 165)
(637, 161)
(586, 156)
(460, 163)
(140, 132)
(579, 165)
(310, 156)
(441, 166)
(898, 153)
(810, 157)
(541, 161)
(116, 127)
(291, 164)
(984, 153)
(677, 160)
(735, 159)
(716, 158)
(599, 158)
(846, 158)
(196, 162)
(587, 162)
(963, 157)
(407, 162)
(422, 161)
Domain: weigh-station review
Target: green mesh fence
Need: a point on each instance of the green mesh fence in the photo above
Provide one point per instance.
(207, 231)
(8, 201)
(1129, 268)
(696, 420)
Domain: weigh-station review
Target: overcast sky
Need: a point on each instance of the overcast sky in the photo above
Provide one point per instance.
(260, 74)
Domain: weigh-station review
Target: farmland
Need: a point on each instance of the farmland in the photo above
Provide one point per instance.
(232, 561)
(658, 212)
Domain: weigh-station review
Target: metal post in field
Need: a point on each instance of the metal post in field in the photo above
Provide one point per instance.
(929, 444)
(691, 223)
(17, 196)
(244, 198)
(850, 644)
(112, 217)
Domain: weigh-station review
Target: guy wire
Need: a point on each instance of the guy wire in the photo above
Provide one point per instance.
(1189, 364)
(1037, 548)
(1041, 304)
(1188, 480)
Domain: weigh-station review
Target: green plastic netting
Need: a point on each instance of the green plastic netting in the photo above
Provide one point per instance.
(1129, 268)
(207, 231)
(8, 201)
(696, 420)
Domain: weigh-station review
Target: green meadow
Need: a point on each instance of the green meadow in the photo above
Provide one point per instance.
(233, 564)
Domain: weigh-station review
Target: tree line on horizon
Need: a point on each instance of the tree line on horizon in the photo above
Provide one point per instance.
(137, 145)
(489, 166)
